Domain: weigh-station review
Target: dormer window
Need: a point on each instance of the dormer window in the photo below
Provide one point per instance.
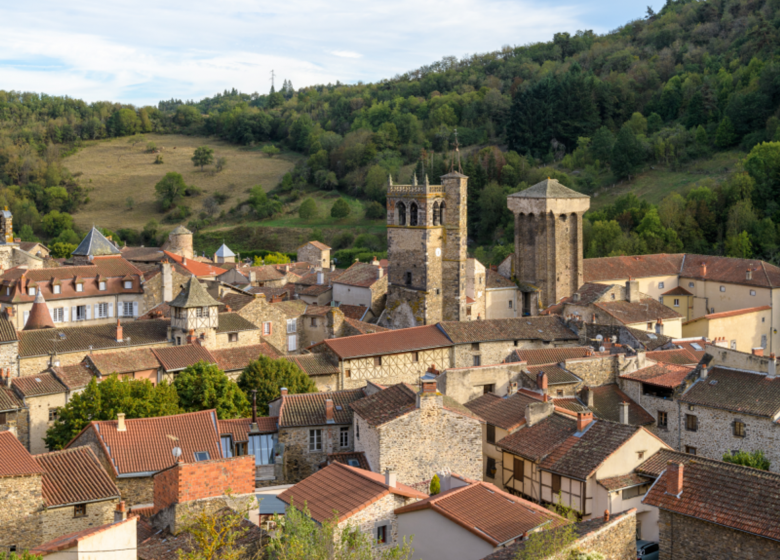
(8, 290)
(128, 284)
(102, 285)
(31, 291)
(79, 287)
(57, 289)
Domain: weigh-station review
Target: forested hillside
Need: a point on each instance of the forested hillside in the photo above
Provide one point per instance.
(662, 92)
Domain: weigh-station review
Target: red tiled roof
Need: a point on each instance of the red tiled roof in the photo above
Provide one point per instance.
(645, 310)
(353, 311)
(730, 495)
(9, 400)
(607, 400)
(363, 275)
(138, 359)
(738, 391)
(390, 342)
(678, 356)
(145, 446)
(343, 489)
(621, 268)
(550, 355)
(72, 539)
(73, 377)
(661, 374)
(541, 439)
(731, 270)
(73, 476)
(345, 456)
(38, 385)
(176, 358)
(17, 461)
(317, 310)
(315, 364)
(234, 359)
(507, 413)
(734, 313)
(695, 347)
(493, 281)
(39, 317)
(239, 427)
(317, 244)
(490, 513)
(196, 268)
(308, 409)
(629, 480)
(546, 328)
(656, 463)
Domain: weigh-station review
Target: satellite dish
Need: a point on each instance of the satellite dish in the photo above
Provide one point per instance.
(599, 337)
(176, 452)
(601, 349)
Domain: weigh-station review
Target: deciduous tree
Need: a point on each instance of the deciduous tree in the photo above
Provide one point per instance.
(268, 376)
(204, 386)
(203, 156)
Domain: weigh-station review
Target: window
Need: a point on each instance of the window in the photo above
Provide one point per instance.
(262, 447)
(353, 463)
(490, 468)
(178, 341)
(752, 292)
(649, 326)
(381, 534)
(612, 295)
(676, 302)
(8, 290)
(58, 315)
(79, 287)
(436, 219)
(241, 449)
(413, 214)
(477, 360)
(57, 289)
(690, 450)
(102, 286)
(127, 308)
(635, 491)
(556, 483)
(518, 469)
(377, 361)
(3, 419)
(408, 278)
(491, 433)
(763, 339)
(292, 342)
(640, 455)
(415, 357)
(31, 291)
(266, 329)
(739, 429)
(54, 413)
(660, 285)
(559, 393)
(80, 510)
(315, 440)
(663, 419)
(226, 443)
(102, 310)
(691, 284)
(475, 346)
(691, 422)
(401, 213)
(81, 313)
(202, 312)
(201, 455)
(489, 388)
(357, 430)
(723, 288)
(128, 284)
(347, 373)
(314, 321)
(733, 344)
(292, 325)
(344, 437)
(233, 337)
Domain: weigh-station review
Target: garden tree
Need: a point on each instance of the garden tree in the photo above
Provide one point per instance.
(62, 250)
(26, 555)
(299, 537)
(204, 386)
(68, 237)
(102, 401)
(268, 376)
(308, 209)
(270, 150)
(26, 234)
(340, 209)
(170, 190)
(272, 258)
(203, 156)
(755, 459)
(435, 485)
(627, 154)
(725, 137)
(218, 535)
(55, 222)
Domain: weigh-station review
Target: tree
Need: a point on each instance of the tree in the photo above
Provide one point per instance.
(739, 246)
(27, 233)
(308, 209)
(601, 147)
(627, 154)
(221, 163)
(755, 459)
(340, 209)
(299, 537)
(375, 211)
(268, 376)
(130, 202)
(435, 485)
(26, 555)
(763, 165)
(55, 222)
(272, 258)
(102, 401)
(270, 150)
(217, 535)
(202, 156)
(204, 386)
(725, 136)
(62, 250)
(211, 206)
(170, 190)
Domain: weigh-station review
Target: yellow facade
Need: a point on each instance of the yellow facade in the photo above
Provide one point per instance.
(743, 331)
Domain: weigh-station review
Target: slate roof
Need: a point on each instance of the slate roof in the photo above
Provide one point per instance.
(95, 244)
(549, 355)
(737, 391)
(38, 385)
(397, 400)
(193, 294)
(308, 409)
(362, 275)
(725, 314)
(677, 356)
(494, 281)
(17, 461)
(549, 188)
(525, 328)
(507, 413)
(730, 495)
(237, 358)
(488, 512)
(315, 364)
(389, 342)
(233, 322)
(661, 374)
(224, 251)
(239, 427)
(176, 358)
(73, 476)
(145, 448)
(79, 339)
(645, 310)
(76, 376)
(541, 439)
(9, 400)
(138, 359)
(556, 375)
(607, 400)
(343, 489)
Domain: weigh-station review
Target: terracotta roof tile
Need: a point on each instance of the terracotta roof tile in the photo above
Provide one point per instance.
(725, 314)
(695, 347)
(645, 310)
(316, 364)
(389, 342)
(73, 377)
(353, 311)
(656, 463)
(731, 270)
(556, 375)
(233, 322)
(37, 385)
(733, 496)
(7, 331)
(363, 275)
(196, 268)
(236, 302)
(738, 391)
(677, 291)
(525, 328)
(490, 513)
(345, 457)
(606, 405)
(317, 310)
(541, 439)
(308, 409)
(386, 405)
(661, 374)
(234, 359)
(9, 400)
(625, 481)
(73, 476)
(343, 489)
(494, 281)
(364, 328)
(677, 356)
(145, 446)
(17, 461)
(239, 427)
(264, 273)
(138, 359)
(642, 266)
(549, 355)
(507, 413)
(317, 244)
(589, 293)
(176, 358)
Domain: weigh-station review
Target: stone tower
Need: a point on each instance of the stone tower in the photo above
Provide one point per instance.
(7, 225)
(179, 242)
(426, 237)
(548, 242)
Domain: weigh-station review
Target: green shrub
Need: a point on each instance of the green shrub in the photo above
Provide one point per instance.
(340, 209)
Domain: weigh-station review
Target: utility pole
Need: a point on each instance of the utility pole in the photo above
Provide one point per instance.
(272, 81)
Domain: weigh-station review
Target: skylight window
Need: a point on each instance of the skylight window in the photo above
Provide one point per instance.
(201, 455)
(696, 346)
(651, 336)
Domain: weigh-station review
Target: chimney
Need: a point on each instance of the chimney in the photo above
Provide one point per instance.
(120, 514)
(632, 290)
(252, 276)
(428, 382)
(748, 274)
(535, 412)
(283, 391)
(390, 478)
(703, 269)
(9, 312)
(589, 395)
(191, 337)
(606, 515)
(758, 351)
(575, 296)
(541, 382)
(118, 331)
(674, 478)
(380, 272)
(583, 420)
(184, 261)
(167, 281)
(120, 422)
(624, 413)
(772, 367)
(704, 372)
(332, 266)
(320, 278)
(329, 412)
(375, 261)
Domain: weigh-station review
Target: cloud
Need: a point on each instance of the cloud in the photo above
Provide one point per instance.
(346, 54)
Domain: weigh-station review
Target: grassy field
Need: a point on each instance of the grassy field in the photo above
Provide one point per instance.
(655, 184)
(116, 169)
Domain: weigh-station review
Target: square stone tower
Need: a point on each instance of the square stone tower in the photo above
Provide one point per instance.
(426, 237)
(548, 241)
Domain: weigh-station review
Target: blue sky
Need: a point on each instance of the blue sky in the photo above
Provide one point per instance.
(141, 51)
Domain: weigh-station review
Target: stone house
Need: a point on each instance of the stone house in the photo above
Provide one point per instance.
(418, 433)
(140, 363)
(14, 416)
(744, 329)
(43, 395)
(312, 426)
(315, 253)
(362, 284)
(360, 499)
(469, 520)
(468, 383)
(133, 450)
(578, 461)
(233, 360)
(711, 509)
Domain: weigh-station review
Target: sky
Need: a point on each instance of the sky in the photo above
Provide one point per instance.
(143, 51)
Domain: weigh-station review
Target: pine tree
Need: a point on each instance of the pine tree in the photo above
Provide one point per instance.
(725, 136)
(627, 154)
(602, 144)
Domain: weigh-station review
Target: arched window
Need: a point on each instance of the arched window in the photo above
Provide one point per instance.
(442, 217)
(413, 214)
(401, 213)
(436, 218)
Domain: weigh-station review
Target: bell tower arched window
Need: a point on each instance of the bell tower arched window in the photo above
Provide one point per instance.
(436, 216)
(401, 213)
(442, 217)
(413, 214)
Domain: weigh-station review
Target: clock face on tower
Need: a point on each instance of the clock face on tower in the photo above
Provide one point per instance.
(438, 252)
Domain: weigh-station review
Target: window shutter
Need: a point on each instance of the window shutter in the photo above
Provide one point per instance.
(97, 311)
(88, 309)
(270, 329)
(26, 316)
(120, 308)
(65, 316)
(110, 309)
(51, 312)
(135, 309)
(73, 314)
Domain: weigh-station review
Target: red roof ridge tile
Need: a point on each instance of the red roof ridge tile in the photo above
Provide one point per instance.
(732, 313)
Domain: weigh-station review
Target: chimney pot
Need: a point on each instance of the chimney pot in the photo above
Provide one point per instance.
(329, 412)
(624, 413)
(542, 382)
(118, 331)
(390, 478)
(704, 372)
(283, 391)
(758, 351)
(583, 420)
(606, 515)
(120, 422)
(704, 269)
(772, 367)
(120, 514)
(674, 478)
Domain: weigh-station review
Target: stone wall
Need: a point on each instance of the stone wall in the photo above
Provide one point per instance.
(496, 352)
(367, 440)
(465, 384)
(616, 540)
(245, 338)
(60, 521)
(136, 491)
(405, 367)
(154, 292)
(378, 296)
(316, 257)
(669, 434)
(39, 418)
(453, 267)
(18, 421)
(686, 538)
(20, 517)
(379, 513)
(38, 364)
(299, 462)
(8, 354)
(727, 357)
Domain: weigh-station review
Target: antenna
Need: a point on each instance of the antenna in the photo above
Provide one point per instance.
(272, 79)
(457, 151)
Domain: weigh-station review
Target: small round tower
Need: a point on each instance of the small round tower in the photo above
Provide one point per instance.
(180, 242)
